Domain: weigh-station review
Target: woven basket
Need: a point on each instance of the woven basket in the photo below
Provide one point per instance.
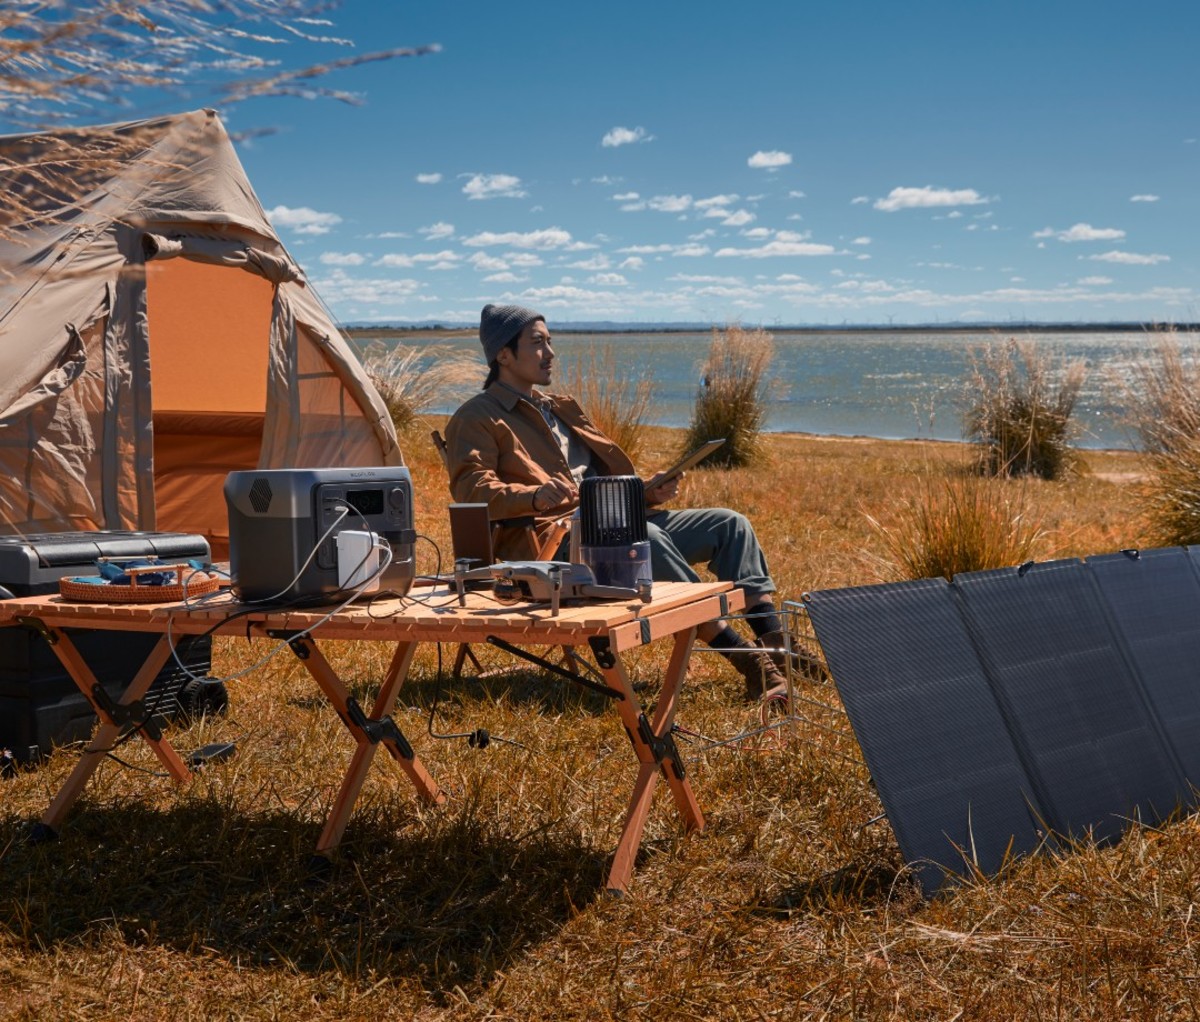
(91, 592)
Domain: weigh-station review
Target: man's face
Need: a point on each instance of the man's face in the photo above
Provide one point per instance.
(531, 365)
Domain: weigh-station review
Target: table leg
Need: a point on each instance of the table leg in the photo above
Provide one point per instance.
(651, 764)
(108, 731)
(364, 754)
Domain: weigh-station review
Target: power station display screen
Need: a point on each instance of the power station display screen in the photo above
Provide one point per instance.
(366, 502)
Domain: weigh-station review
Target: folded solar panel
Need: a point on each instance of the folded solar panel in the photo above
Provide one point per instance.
(1081, 726)
(1153, 598)
(932, 735)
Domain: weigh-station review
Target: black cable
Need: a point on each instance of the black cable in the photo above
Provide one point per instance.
(480, 738)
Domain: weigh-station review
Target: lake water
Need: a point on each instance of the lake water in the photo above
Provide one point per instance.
(890, 384)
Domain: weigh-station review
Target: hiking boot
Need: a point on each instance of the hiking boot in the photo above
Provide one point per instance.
(805, 663)
(763, 679)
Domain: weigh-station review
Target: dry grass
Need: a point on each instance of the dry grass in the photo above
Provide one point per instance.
(1019, 408)
(1162, 401)
(163, 903)
(731, 401)
(960, 521)
(615, 398)
(411, 380)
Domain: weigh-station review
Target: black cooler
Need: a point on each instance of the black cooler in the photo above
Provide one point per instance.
(40, 706)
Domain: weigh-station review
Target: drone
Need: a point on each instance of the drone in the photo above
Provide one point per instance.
(550, 582)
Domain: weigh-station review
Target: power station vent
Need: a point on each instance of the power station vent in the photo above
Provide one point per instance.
(260, 495)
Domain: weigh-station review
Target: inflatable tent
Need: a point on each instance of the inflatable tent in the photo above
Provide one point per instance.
(155, 335)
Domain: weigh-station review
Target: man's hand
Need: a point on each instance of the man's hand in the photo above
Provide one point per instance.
(660, 492)
(553, 493)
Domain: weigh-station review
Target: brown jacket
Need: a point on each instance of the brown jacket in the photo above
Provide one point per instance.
(500, 451)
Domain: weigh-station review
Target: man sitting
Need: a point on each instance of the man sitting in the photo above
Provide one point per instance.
(525, 453)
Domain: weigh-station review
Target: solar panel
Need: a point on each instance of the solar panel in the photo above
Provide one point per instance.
(1153, 598)
(1086, 737)
(931, 733)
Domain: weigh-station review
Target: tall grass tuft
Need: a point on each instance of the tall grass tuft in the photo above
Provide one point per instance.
(959, 521)
(412, 380)
(615, 399)
(1019, 408)
(1162, 406)
(731, 401)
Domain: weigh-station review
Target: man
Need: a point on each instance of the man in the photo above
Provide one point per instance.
(525, 453)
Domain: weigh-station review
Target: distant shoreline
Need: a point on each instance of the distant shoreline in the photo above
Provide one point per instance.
(1008, 329)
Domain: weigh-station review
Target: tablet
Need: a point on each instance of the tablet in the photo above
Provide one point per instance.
(683, 464)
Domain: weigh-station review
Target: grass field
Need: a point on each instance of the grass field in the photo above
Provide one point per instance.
(166, 903)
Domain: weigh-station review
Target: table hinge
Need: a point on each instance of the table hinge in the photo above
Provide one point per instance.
(602, 651)
(133, 714)
(645, 625)
(294, 639)
(40, 626)
(724, 604)
(378, 730)
(663, 747)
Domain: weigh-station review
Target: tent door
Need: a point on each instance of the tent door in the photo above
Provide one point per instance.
(209, 332)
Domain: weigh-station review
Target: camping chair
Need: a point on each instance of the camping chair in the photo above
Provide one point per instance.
(544, 550)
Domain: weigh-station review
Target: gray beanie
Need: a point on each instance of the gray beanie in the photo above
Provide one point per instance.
(499, 324)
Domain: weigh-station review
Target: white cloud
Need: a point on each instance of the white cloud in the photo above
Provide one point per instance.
(670, 203)
(1130, 258)
(757, 233)
(771, 159)
(626, 197)
(801, 195)
(1095, 281)
(739, 219)
(1081, 232)
(525, 259)
(608, 280)
(504, 277)
(605, 179)
(693, 278)
(343, 258)
(1143, 198)
(716, 201)
(399, 260)
(493, 186)
(485, 263)
(625, 136)
(439, 230)
(786, 247)
(858, 200)
(340, 286)
(648, 249)
(548, 237)
(597, 262)
(928, 197)
(429, 179)
(864, 240)
(632, 263)
(303, 220)
(691, 251)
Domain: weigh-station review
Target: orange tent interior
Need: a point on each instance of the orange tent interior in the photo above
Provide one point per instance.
(209, 329)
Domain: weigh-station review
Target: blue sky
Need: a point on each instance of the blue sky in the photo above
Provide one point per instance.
(773, 163)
